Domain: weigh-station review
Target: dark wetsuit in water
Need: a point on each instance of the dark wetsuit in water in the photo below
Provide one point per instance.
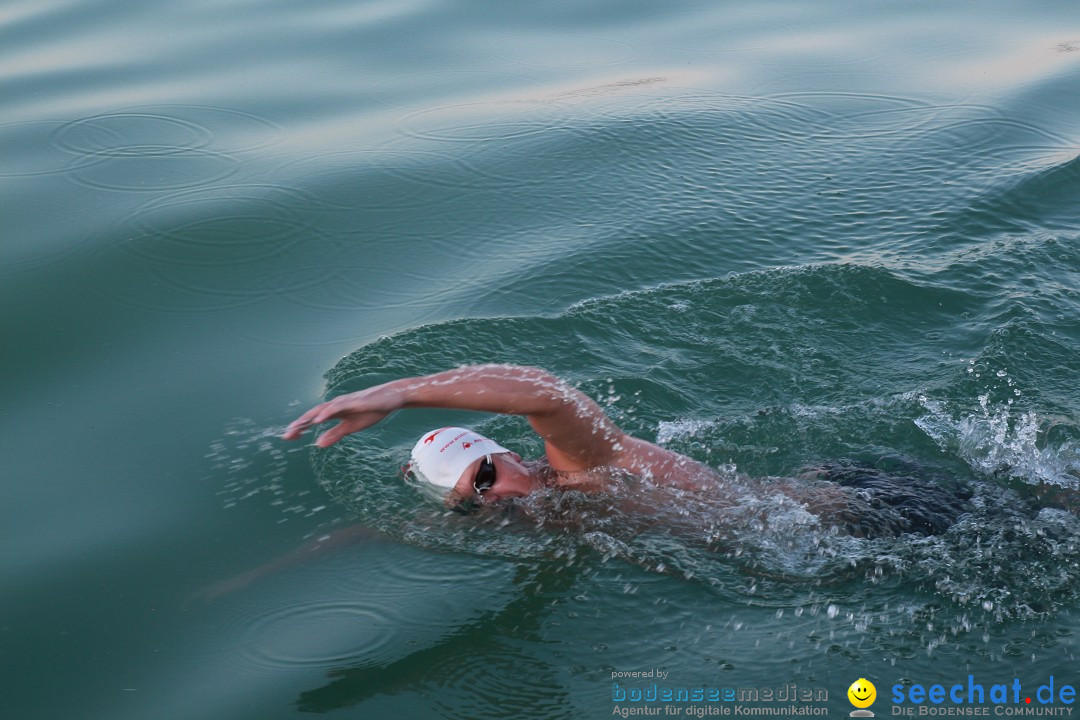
(887, 504)
(856, 498)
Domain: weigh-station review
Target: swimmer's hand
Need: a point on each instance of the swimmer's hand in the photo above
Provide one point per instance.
(356, 411)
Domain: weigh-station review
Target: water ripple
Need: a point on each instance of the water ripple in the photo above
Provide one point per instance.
(28, 150)
(160, 148)
(160, 168)
(383, 179)
(231, 130)
(317, 634)
(220, 226)
(193, 242)
(169, 127)
(370, 608)
(483, 122)
(126, 134)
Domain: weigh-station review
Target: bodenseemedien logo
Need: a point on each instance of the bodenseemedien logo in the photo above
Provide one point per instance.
(862, 694)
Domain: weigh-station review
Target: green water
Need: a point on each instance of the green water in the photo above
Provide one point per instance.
(766, 235)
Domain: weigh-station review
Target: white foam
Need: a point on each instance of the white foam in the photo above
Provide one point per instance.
(667, 431)
(1000, 440)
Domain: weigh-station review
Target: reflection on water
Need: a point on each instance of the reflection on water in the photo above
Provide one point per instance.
(489, 647)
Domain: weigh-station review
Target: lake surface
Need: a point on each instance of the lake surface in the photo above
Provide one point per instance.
(767, 235)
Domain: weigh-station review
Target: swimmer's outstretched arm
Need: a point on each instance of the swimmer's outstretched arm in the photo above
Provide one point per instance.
(577, 433)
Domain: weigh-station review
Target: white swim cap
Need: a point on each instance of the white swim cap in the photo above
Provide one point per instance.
(440, 456)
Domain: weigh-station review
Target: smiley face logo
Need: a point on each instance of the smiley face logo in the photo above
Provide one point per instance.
(862, 693)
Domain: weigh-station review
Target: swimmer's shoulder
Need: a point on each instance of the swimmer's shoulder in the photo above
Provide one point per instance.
(589, 480)
(664, 467)
(637, 459)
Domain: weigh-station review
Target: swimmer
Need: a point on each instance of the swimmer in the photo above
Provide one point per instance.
(587, 452)
(584, 449)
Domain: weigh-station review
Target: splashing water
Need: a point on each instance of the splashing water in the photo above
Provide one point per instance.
(1000, 439)
(257, 467)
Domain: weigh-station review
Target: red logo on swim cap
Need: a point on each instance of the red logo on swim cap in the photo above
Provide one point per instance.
(466, 445)
(431, 437)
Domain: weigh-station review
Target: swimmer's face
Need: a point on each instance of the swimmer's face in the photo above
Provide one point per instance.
(862, 693)
(512, 479)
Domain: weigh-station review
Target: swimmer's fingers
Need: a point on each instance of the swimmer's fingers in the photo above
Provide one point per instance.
(339, 407)
(352, 420)
(335, 433)
(349, 424)
(297, 427)
(315, 416)
(356, 411)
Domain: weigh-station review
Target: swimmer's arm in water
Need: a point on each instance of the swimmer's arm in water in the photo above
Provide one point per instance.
(577, 433)
(309, 551)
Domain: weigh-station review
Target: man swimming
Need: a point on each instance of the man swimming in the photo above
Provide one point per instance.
(584, 449)
(587, 452)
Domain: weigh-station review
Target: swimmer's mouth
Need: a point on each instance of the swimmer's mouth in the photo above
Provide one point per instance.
(471, 506)
(466, 507)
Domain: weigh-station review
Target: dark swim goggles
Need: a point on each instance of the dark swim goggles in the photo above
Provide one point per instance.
(483, 481)
(485, 476)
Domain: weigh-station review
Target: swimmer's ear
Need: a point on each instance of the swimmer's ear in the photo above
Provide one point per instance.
(514, 455)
